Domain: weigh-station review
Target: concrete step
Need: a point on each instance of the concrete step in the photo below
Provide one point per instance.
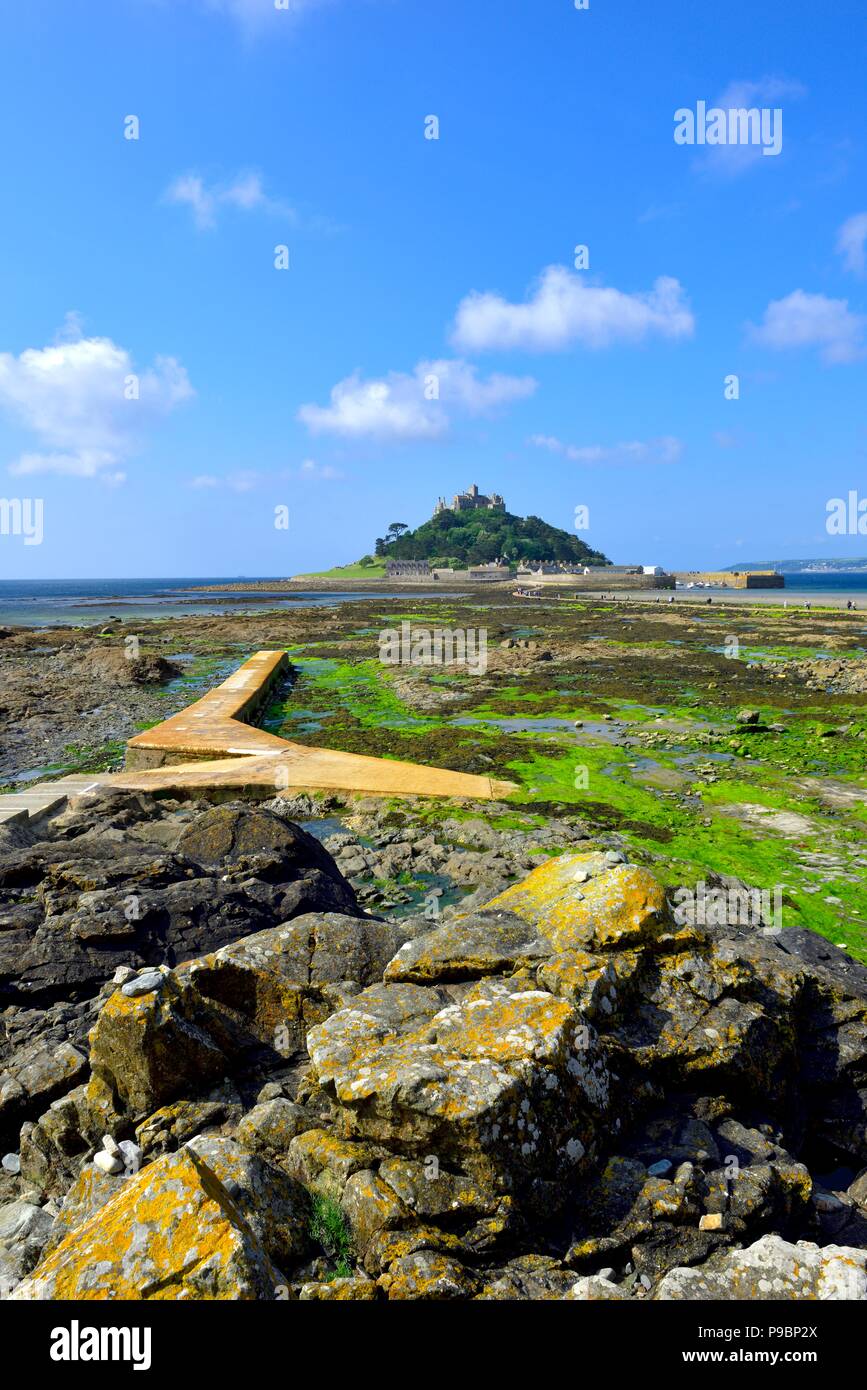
(32, 799)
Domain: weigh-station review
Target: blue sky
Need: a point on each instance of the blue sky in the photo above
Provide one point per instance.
(148, 265)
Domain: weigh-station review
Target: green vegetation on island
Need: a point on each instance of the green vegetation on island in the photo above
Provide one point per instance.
(465, 538)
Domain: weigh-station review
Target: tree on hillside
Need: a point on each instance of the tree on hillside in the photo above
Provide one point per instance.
(482, 536)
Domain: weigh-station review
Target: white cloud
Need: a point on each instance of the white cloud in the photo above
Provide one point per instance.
(246, 192)
(666, 449)
(75, 398)
(249, 479)
(812, 320)
(415, 405)
(563, 309)
(852, 243)
(312, 471)
(731, 160)
(242, 480)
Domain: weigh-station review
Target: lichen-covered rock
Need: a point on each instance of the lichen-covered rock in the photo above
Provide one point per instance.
(723, 1014)
(503, 1086)
(773, 1268)
(355, 1290)
(428, 1275)
(527, 1277)
(34, 1075)
(54, 1147)
(88, 1194)
(594, 1289)
(172, 1125)
(488, 943)
(325, 1163)
(389, 1245)
(371, 1206)
(597, 984)
(172, 1232)
(265, 990)
(25, 1230)
(146, 1049)
(270, 1127)
(275, 1205)
(224, 834)
(583, 902)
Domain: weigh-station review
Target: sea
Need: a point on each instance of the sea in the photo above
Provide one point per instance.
(91, 602)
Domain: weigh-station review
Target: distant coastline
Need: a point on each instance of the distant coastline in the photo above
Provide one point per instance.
(857, 565)
(82, 603)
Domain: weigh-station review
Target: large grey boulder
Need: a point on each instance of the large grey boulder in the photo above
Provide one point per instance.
(773, 1268)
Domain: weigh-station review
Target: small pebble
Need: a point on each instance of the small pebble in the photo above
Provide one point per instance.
(12, 1163)
(147, 983)
(107, 1163)
(131, 1154)
(110, 1144)
(659, 1170)
(712, 1221)
(122, 974)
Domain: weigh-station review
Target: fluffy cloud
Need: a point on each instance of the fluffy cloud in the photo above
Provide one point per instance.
(563, 309)
(812, 320)
(415, 405)
(852, 243)
(246, 192)
(86, 404)
(666, 449)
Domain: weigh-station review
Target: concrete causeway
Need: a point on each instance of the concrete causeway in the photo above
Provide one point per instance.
(210, 746)
(218, 724)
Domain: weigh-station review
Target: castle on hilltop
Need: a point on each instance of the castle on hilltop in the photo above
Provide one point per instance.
(471, 501)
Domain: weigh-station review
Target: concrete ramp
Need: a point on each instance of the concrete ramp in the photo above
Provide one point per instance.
(300, 769)
(210, 745)
(218, 725)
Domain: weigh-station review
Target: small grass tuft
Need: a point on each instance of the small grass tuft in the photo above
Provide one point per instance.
(330, 1229)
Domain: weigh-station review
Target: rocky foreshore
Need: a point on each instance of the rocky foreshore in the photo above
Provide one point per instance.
(220, 1077)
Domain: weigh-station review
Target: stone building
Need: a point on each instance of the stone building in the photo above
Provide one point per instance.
(471, 501)
(407, 569)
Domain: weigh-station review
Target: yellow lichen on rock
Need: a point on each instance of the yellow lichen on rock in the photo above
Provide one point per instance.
(172, 1232)
(581, 902)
